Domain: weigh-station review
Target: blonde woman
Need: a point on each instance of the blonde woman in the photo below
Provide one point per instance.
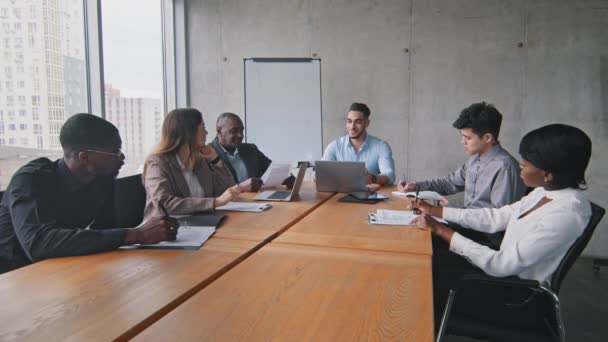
(183, 174)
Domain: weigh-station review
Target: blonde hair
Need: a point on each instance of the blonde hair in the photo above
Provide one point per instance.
(179, 131)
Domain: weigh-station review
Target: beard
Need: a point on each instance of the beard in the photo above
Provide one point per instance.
(356, 136)
(231, 147)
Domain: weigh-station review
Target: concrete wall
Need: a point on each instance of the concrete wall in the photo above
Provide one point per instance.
(417, 64)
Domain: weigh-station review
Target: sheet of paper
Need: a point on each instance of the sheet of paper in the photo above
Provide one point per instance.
(425, 195)
(275, 175)
(188, 237)
(245, 206)
(395, 217)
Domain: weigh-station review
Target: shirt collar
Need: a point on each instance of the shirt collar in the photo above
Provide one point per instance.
(563, 193)
(493, 152)
(362, 145)
(69, 181)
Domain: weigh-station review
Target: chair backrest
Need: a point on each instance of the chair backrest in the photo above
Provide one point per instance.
(577, 247)
(129, 201)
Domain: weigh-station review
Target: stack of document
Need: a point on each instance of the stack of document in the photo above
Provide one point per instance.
(245, 206)
(395, 218)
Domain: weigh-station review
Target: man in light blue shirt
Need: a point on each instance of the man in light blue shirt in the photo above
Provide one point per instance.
(358, 145)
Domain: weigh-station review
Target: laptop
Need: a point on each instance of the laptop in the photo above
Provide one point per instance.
(282, 195)
(340, 176)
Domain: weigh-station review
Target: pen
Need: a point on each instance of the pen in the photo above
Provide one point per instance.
(162, 208)
(416, 210)
(166, 214)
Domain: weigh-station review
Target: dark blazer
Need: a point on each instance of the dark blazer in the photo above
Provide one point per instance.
(165, 184)
(255, 161)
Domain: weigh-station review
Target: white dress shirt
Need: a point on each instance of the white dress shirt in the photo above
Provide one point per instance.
(196, 190)
(533, 246)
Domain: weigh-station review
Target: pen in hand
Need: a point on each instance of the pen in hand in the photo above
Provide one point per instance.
(166, 215)
(416, 210)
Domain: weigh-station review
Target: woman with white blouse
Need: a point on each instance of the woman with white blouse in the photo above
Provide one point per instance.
(539, 229)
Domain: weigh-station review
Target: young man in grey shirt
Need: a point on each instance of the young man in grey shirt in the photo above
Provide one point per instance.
(490, 177)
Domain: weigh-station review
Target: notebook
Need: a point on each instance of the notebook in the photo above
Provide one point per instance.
(193, 232)
(245, 206)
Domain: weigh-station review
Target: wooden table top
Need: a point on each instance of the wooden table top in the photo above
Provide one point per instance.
(337, 224)
(288, 292)
(265, 226)
(109, 295)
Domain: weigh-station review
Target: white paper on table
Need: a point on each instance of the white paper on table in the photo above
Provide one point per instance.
(275, 175)
(188, 237)
(425, 195)
(245, 206)
(395, 217)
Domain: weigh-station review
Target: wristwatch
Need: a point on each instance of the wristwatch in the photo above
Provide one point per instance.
(374, 177)
(214, 161)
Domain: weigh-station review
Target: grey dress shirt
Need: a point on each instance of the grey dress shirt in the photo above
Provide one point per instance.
(489, 181)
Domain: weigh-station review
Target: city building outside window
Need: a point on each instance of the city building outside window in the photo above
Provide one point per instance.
(133, 75)
(43, 76)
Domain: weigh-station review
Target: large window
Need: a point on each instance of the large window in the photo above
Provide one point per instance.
(50, 69)
(133, 75)
(43, 68)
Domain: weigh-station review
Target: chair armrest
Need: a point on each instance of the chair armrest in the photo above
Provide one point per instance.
(482, 279)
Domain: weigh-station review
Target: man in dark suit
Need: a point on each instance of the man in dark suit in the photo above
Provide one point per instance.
(245, 161)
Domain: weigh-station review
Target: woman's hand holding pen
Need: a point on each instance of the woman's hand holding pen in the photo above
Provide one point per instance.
(422, 207)
(155, 230)
(426, 221)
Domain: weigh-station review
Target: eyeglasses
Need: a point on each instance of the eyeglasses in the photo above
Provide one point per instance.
(118, 154)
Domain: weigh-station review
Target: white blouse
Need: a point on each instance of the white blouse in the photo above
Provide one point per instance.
(534, 245)
(196, 190)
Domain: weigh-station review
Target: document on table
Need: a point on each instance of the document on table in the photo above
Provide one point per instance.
(245, 206)
(395, 218)
(188, 237)
(425, 195)
(275, 175)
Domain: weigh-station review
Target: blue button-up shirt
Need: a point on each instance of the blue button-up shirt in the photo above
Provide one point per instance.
(376, 154)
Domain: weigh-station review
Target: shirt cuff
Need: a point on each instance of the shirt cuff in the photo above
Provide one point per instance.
(459, 244)
(450, 214)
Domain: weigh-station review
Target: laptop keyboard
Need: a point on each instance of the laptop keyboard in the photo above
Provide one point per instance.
(280, 195)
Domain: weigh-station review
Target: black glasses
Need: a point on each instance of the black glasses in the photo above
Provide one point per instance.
(118, 154)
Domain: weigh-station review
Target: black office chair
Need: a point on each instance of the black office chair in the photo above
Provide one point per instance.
(552, 330)
(129, 201)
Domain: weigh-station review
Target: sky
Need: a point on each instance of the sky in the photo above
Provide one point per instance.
(132, 46)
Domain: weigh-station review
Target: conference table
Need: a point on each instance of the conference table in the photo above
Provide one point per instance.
(339, 224)
(303, 293)
(253, 280)
(266, 226)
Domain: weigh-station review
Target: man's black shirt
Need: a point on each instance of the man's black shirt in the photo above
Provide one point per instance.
(46, 212)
